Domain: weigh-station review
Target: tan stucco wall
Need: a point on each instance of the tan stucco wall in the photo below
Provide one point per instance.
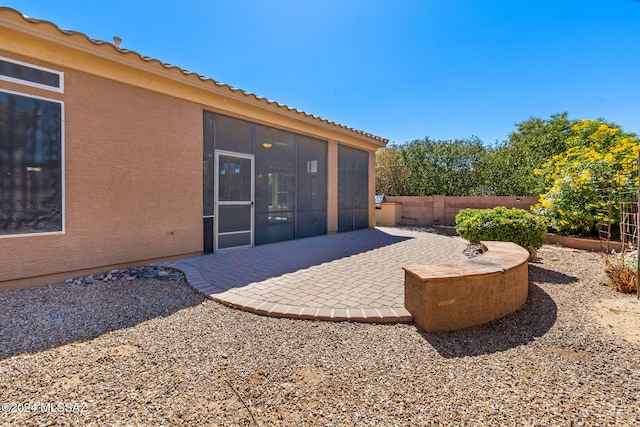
(133, 166)
(372, 189)
(332, 187)
(133, 154)
(457, 295)
(390, 214)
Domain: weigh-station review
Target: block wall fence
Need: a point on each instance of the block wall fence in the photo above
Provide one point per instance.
(427, 210)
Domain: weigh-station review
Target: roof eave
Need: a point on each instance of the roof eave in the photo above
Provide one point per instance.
(110, 52)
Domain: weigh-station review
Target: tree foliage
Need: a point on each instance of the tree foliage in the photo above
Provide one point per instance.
(426, 167)
(390, 173)
(570, 164)
(600, 160)
(468, 167)
(508, 168)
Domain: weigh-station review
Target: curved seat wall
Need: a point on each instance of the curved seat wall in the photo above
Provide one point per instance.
(457, 295)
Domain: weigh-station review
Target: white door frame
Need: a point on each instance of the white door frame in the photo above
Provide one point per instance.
(218, 203)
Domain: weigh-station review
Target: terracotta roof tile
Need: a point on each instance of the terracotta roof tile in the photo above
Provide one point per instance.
(189, 73)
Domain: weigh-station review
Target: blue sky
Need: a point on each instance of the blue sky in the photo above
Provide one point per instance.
(400, 69)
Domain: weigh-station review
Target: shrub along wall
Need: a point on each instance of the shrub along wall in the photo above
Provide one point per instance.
(424, 210)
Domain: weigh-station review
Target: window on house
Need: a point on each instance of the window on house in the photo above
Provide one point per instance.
(31, 75)
(31, 165)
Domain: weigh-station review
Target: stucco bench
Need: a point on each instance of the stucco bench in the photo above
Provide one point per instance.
(457, 295)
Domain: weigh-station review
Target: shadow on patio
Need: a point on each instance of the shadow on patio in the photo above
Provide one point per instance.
(234, 269)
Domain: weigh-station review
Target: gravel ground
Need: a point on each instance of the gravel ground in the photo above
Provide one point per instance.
(151, 352)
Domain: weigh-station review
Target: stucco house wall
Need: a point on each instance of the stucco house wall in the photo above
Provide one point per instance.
(133, 141)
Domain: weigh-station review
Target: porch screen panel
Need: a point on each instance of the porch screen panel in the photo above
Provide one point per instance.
(234, 240)
(353, 189)
(208, 164)
(234, 218)
(234, 135)
(208, 180)
(275, 185)
(311, 187)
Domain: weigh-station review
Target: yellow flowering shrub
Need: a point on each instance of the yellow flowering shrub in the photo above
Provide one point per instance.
(600, 160)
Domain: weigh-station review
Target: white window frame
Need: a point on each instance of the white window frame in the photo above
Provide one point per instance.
(30, 83)
(62, 166)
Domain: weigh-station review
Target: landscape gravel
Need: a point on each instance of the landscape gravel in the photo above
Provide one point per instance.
(153, 352)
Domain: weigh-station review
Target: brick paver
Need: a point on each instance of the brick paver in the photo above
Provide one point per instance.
(353, 276)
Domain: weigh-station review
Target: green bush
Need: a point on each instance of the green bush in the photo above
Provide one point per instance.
(501, 224)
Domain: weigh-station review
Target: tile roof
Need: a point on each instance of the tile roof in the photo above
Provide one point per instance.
(201, 77)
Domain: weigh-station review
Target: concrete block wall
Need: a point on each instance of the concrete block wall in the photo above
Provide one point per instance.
(424, 210)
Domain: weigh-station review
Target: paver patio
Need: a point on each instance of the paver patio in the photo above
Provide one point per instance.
(353, 276)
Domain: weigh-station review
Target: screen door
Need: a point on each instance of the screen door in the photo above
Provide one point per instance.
(234, 201)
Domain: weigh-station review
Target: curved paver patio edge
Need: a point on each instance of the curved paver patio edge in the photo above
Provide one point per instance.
(355, 276)
(352, 314)
(266, 308)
